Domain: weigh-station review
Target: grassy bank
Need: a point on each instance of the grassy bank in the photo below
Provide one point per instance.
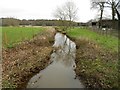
(26, 59)
(107, 42)
(96, 58)
(12, 35)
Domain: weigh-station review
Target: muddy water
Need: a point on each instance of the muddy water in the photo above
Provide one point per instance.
(59, 74)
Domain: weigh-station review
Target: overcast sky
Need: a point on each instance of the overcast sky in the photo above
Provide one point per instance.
(42, 9)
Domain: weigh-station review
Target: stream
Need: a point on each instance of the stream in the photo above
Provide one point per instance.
(60, 73)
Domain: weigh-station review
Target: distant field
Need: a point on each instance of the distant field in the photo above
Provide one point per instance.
(12, 35)
(108, 42)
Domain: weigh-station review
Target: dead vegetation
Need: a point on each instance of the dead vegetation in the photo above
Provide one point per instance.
(27, 58)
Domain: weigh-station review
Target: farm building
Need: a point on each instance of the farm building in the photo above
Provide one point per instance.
(105, 23)
(82, 24)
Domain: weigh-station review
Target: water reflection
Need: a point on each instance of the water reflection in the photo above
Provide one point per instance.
(59, 74)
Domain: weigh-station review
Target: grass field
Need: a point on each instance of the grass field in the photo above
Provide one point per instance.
(12, 35)
(108, 42)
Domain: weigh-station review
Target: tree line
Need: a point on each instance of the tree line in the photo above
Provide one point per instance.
(32, 22)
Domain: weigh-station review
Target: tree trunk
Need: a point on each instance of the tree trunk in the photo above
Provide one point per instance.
(100, 23)
(113, 15)
(113, 12)
(101, 15)
(118, 14)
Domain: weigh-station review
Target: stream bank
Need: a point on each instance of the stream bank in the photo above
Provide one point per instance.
(26, 59)
(60, 73)
(95, 67)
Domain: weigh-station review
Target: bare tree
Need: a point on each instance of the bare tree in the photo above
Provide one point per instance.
(113, 4)
(118, 10)
(66, 13)
(100, 6)
(62, 16)
(118, 15)
(60, 13)
(71, 11)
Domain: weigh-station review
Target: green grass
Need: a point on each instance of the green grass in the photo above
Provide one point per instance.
(106, 73)
(101, 70)
(13, 35)
(108, 42)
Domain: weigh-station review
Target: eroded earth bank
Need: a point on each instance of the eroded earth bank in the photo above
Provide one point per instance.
(26, 59)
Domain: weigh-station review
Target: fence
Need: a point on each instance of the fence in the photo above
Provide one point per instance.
(106, 31)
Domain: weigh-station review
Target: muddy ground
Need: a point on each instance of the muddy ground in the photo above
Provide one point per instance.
(95, 66)
(26, 59)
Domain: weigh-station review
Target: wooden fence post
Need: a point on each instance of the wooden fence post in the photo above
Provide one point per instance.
(106, 32)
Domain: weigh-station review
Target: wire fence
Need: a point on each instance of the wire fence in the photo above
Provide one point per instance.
(106, 31)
